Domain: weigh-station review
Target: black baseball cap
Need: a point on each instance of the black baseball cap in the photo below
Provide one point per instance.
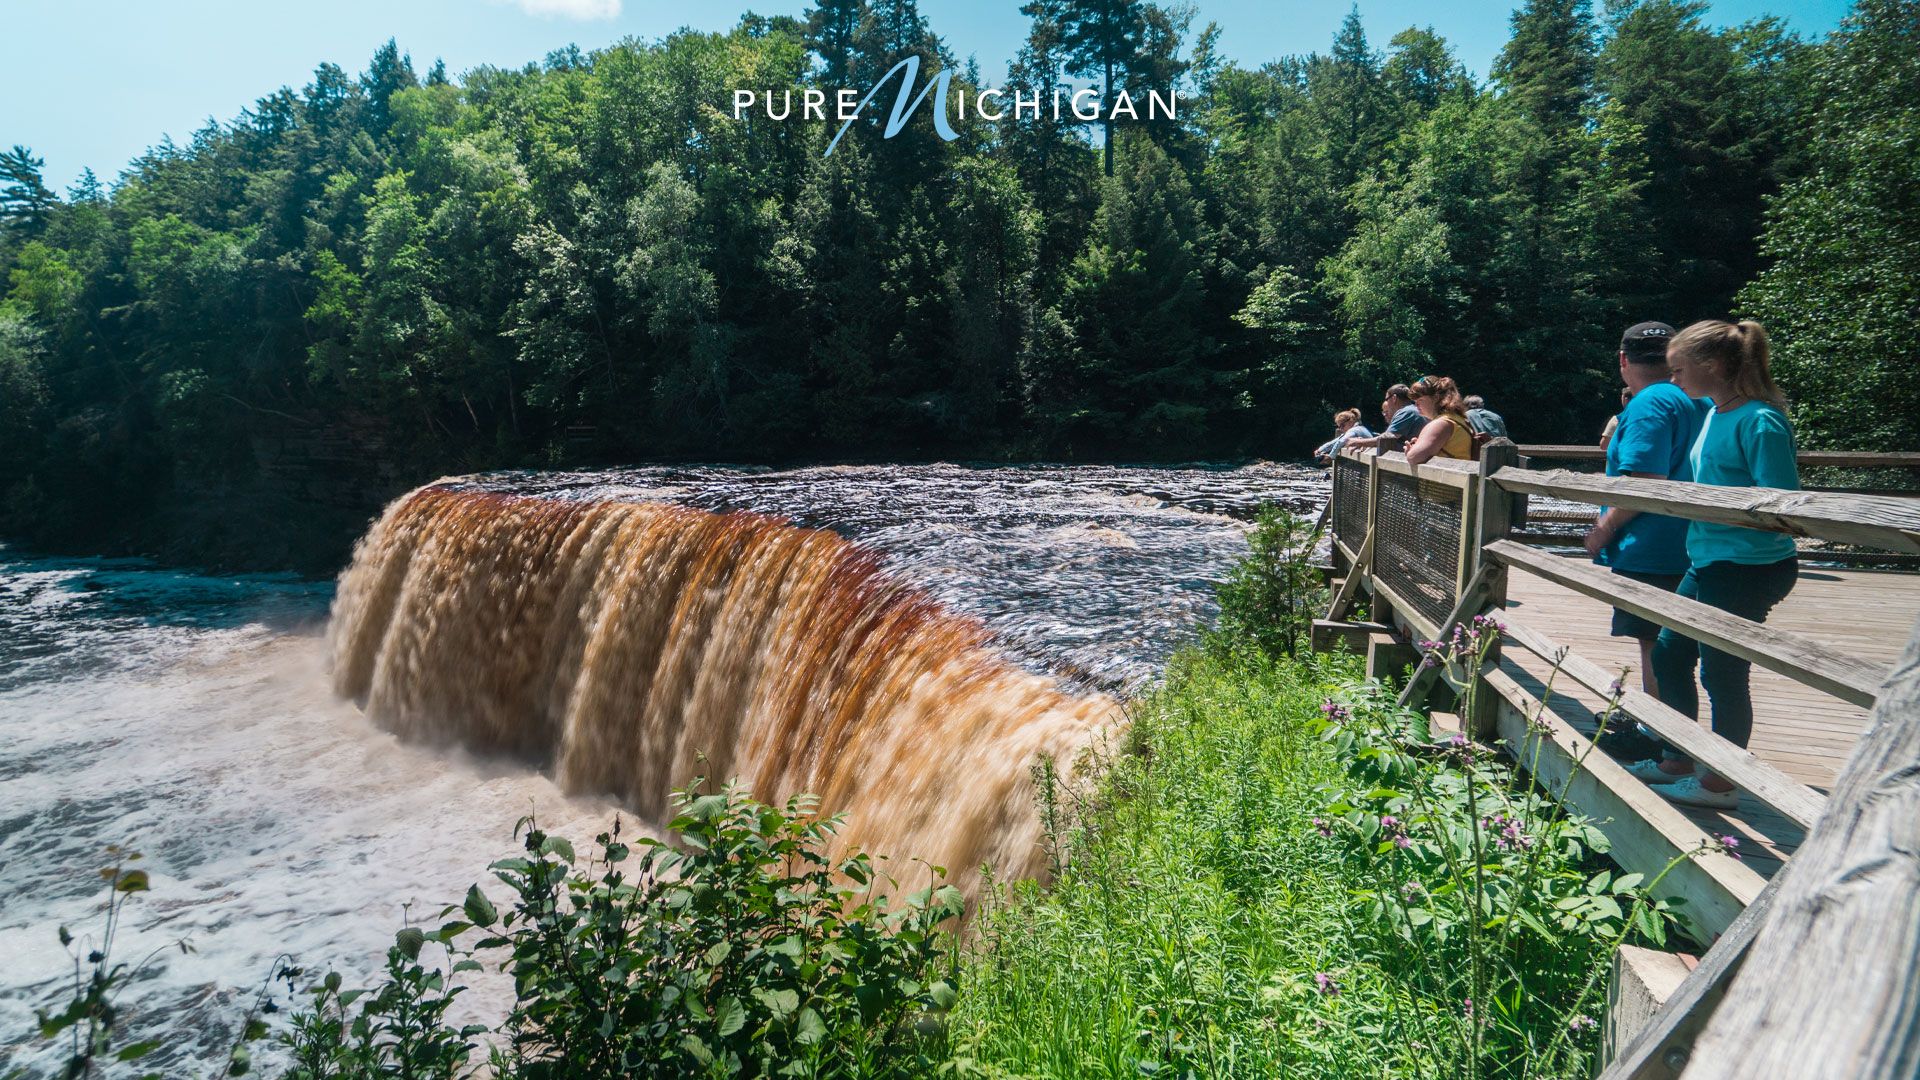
(1646, 341)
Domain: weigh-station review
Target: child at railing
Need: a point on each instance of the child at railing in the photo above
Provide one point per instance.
(1746, 441)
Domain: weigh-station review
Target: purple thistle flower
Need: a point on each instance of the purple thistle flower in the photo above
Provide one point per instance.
(1326, 830)
(1582, 1023)
(1326, 983)
(1730, 844)
(1389, 822)
(1403, 841)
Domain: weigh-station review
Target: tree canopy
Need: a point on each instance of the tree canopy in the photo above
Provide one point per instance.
(589, 258)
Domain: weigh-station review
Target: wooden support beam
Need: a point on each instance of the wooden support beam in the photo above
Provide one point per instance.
(1325, 634)
(1350, 587)
(1647, 831)
(1388, 656)
(1794, 801)
(1831, 987)
(1473, 600)
(1879, 521)
(1642, 981)
(1845, 677)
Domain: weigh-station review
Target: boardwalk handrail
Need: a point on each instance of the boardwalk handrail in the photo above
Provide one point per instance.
(1431, 544)
(1806, 662)
(1821, 459)
(1793, 800)
(1880, 521)
(1790, 991)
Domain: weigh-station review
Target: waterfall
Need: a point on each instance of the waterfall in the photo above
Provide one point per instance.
(633, 646)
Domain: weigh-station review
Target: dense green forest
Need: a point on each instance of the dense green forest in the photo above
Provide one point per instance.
(380, 278)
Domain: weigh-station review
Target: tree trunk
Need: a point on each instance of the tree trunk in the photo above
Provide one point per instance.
(1106, 103)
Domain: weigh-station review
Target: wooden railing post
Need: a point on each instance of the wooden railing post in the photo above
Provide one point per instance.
(1377, 607)
(1493, 518)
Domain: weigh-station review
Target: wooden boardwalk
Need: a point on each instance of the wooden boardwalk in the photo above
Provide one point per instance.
(1801, 731)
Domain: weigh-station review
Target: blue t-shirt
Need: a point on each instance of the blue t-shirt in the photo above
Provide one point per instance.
(1654, 435)
(1406, 423)
(1751, 446)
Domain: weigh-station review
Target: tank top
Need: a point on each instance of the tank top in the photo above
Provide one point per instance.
(1459, 444)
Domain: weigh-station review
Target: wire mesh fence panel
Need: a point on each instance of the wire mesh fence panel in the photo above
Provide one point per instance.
(1350, 502)
(1416, 542)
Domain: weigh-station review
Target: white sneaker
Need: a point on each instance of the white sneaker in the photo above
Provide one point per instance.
(1650, 772)
(1688, 791)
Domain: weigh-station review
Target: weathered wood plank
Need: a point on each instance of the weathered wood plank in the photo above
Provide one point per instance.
(1794, 800)
(1473, 600)
(1845, 677)
(1646, 830)
(1828, 459)
(1357, 572)
(1643, 981)
(1880, 521)
(1831, 988)
(1448, 471)
(1325, 633)
(1663, 1049)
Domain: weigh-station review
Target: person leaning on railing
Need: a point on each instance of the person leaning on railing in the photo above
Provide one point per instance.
(1346, 427)
(1404, 421)
(1447, 433)
(1745, 441)
(1653, 441)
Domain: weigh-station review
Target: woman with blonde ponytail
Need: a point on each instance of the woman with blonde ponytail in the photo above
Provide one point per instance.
(1746, 441)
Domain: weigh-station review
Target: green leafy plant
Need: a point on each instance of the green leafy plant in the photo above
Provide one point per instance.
(1487, 897)
(743, 951)
(1271, 597)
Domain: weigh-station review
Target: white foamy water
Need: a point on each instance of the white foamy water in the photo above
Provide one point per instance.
(190, 717)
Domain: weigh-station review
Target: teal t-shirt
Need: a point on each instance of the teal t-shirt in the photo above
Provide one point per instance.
(1751, 446)
(1655, 435)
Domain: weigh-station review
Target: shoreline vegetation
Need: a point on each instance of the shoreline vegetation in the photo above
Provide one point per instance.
(1273, 870)
(238, 348)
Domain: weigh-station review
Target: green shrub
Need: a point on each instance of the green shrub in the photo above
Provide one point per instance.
(743, 952)
(1272, 596)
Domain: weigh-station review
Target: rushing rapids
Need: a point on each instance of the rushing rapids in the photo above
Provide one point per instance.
(637, 645)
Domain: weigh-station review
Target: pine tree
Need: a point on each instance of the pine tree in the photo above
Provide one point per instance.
(832, 26)
(1547, 65)
(1102, 38)
(25, 199)
(1711, 161)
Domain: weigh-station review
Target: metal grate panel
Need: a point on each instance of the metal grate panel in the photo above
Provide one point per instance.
(1416, 543)
(1349, 502)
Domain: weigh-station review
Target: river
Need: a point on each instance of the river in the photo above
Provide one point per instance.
(192, 717)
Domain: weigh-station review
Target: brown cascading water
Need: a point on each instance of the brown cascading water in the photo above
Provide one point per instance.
(640, 645)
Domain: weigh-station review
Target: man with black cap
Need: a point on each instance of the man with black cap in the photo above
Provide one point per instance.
(1656, 431)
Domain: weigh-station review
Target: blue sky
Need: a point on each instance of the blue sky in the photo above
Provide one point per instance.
(94, 82)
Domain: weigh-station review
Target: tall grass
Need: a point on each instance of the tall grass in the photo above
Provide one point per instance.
(1274, 875)
(1195, 905)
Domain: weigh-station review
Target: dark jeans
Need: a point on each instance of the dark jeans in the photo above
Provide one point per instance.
(1744, 590)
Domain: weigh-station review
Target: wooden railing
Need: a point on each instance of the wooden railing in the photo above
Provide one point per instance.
(1429, 546)
(1809, 459)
